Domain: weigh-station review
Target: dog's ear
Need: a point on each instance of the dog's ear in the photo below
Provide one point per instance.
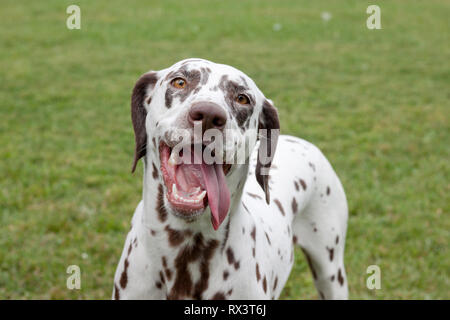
(268, 132)
(141, 93)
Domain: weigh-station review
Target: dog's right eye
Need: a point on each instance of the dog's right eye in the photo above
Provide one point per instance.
(178, 83)
(242, 99)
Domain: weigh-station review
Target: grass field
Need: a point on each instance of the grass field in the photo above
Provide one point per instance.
(375, 101)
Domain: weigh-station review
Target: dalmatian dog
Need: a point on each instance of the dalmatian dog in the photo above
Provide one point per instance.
(225, 229)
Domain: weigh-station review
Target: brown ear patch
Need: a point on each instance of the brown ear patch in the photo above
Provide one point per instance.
(139, 114)
(268, 132)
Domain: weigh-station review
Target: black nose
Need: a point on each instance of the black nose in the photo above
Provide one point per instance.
(210, 114)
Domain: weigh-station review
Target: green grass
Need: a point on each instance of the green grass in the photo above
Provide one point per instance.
(375, 101)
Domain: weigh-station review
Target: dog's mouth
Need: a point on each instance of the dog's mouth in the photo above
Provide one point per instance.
(192, 185)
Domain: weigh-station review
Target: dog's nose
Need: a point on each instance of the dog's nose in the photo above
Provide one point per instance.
(210, 114)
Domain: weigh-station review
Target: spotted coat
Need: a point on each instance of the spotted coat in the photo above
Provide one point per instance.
(252, 253)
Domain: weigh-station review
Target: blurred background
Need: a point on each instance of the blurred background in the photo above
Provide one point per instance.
(375, 101)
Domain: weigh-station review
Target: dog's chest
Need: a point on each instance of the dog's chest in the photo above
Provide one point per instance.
(201, 268)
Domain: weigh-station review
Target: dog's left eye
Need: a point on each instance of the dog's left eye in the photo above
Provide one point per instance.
(242, 99)
(178, 83)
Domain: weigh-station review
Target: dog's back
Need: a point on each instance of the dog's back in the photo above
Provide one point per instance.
(308, 208)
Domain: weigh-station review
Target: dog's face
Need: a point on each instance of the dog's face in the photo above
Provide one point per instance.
(199, 121)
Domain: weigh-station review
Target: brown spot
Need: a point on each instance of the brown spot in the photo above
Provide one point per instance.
(331, 253)
(162, 212)
(340, 278)
(267, 237)
(253, 252)
(294, 239)
(253, 233)
(183, 286)
(313, 167)
(152, 232)
(155, 174)
(205, 75)
(296, 186)
(167, 271)
(176, 237)
(255, 196)
(321, 295)
(154, 142)
(227, 233)
(116, 292)
(275, 283)
(264, 284)
(207, 254)
(218, 296)
(308, 259)
(225, 275)
(168, 97)
(337, 239)
(158, 285)
(231, 259)
(303, 183)
(294, 206)
(124, 276)
(328, 191)
(229, 292)
(258, 275)
(332, 278)
(245, 207)
(280, 207)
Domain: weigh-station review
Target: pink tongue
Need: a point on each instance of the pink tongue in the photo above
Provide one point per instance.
(217, 191)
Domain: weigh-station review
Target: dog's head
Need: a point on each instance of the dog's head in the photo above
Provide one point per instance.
(199, 121)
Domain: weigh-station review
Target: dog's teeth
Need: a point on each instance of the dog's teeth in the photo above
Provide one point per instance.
(197, 189)
(174, 158)
(201, 196)
(195, 200)
(174, 189)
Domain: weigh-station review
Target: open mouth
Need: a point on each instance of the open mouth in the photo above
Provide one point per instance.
(192, 185)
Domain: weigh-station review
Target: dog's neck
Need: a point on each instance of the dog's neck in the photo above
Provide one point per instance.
(160, 223)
